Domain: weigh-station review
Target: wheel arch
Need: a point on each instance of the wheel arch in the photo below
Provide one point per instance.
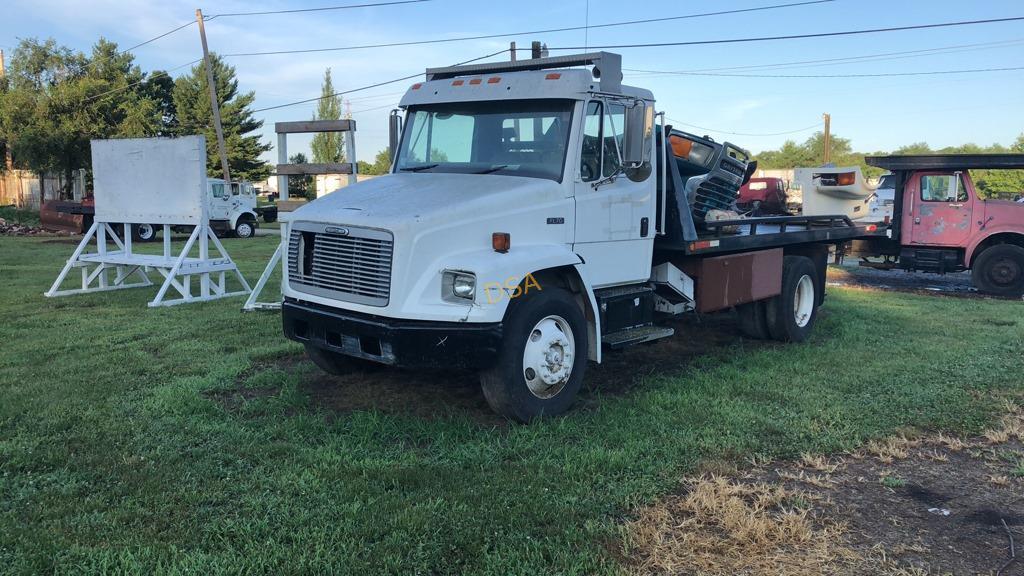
(245, 214)
(995, 238)
(569, 278)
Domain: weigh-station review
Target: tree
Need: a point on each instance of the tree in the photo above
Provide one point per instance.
(328, 147)
(193, 115)
(55, 101)
(381, 164)
(301, 185)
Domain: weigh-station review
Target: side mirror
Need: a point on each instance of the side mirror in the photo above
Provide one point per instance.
(638, 132)
(394, 133)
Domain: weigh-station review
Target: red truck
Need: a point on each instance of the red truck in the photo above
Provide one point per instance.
(762, 197)
(940, 224)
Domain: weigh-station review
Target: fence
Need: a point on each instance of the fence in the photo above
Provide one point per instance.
(21, 188)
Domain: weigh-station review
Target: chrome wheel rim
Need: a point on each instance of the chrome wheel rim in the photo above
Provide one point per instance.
(548, 357)
(146, 231)
(803, 301)
(244, 230)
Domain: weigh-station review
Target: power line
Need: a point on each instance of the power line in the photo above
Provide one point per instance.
(852, 59)
(142, 81)
(796, 36)
(874, 75)
(804, 129)
(322, 9)
(385, 83)
(530, 32)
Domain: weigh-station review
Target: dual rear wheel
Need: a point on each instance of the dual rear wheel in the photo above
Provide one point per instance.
(790, 316)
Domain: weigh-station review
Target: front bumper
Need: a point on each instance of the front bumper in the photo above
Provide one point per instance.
(410, 343)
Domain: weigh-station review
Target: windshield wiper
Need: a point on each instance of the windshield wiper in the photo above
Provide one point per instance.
(491, 169)
(418, 168)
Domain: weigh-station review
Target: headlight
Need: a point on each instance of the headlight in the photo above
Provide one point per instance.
(458, 285)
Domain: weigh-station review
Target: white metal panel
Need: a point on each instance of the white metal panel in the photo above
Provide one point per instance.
(150, 180)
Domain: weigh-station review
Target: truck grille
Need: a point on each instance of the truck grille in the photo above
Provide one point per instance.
(713, 193)
(341, 262)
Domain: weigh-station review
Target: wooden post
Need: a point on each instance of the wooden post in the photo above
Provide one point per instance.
(828, 137)
(282, 158)
(214, 106)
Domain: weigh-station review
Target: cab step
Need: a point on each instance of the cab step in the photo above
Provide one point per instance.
(634, 336)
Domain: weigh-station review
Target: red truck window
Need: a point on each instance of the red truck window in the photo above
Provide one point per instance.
(936, 188)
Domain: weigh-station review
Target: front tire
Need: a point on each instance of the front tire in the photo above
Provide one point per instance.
(791, 315)
(999, 271)
(542, 358)
(245, 228)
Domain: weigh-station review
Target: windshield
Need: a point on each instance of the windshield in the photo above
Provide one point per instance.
(511, 137)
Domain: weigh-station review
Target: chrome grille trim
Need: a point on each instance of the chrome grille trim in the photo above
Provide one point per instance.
(353, 267)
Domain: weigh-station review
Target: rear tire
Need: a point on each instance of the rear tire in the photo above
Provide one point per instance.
(791, 314)
(144, 232)
(999, 271)
(753, 320)
(338, 364)
(542, 358)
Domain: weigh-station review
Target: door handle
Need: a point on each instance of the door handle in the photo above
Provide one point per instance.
(956, 205)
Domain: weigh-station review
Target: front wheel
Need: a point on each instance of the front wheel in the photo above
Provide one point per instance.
(542, 358)
(790, 315)
(144, 232)
(999, 270)
(245, 229)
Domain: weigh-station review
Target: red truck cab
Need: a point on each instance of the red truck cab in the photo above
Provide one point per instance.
(941, 224)
(763, 196)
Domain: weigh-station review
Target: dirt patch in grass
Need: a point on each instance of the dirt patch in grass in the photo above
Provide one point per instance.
(925, 505)
(865, 278)
(440, 393)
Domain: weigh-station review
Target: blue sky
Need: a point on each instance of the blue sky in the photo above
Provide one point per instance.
(876, 113)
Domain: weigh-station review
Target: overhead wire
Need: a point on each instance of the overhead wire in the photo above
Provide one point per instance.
(529, 32)
(865, 75)
(320, 9)
(798, 130)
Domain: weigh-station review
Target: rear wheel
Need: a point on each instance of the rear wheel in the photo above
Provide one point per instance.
(143, 232)
(791, 315)
(999, 270)
(542, 358)
(753, 320)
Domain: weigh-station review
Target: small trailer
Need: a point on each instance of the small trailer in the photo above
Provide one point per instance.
(536, 216)
(940, 223)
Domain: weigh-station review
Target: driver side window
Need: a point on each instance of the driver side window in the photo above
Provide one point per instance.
(590, 158)
(218, 190)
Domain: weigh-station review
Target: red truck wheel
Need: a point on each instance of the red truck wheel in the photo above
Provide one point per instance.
(999, 270)
(792, 313)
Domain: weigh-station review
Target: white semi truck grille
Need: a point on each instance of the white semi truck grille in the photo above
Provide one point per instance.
(342, 262)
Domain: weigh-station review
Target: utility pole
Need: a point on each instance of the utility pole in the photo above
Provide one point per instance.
(828, 137)
(214, 106)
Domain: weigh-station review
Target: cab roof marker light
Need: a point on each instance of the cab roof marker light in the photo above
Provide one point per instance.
(475, 81)
(458, 82)
(553, 76)
(417, 86)
(494, 79)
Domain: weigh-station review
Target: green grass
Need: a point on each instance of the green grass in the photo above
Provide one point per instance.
(112, 458)
(19, 215)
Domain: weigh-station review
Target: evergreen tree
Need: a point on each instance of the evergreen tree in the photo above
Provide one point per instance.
(193, 115)
(328, 147)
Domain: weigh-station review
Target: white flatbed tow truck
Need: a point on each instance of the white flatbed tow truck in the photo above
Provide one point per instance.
(536, 215)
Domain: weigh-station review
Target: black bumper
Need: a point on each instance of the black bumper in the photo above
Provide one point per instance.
(410, 343)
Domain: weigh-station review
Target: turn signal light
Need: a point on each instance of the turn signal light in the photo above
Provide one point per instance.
(845, 179)
(417, 86)
(871, 228)
(501, 241)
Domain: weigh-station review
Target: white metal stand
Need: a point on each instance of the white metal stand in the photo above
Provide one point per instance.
(253, 303)
(177, 270)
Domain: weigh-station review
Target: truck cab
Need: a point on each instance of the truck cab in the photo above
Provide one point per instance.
(534, 216)
(232, 207)
(941, 224)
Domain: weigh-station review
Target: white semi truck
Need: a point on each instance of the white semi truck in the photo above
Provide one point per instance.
(536, 215)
